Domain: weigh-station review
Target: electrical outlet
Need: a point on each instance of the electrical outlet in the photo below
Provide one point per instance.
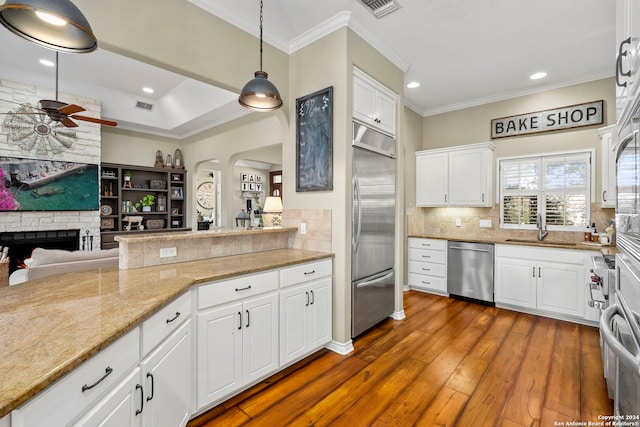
(458, 222)
(303, 228)
(485, 223)
(167, 252)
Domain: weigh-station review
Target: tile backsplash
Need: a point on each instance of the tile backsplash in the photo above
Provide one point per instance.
(442, 222)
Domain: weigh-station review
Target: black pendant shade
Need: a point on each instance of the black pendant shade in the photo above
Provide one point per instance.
(28, 19)
(260, 94)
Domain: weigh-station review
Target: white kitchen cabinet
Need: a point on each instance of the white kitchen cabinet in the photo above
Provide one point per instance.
(455, 176)
(373, 104)
(5, 421)
(158, 392)
(79, 390)
(166, 378)
(627, 55)
(305, 310)
(544, 280)
(237, 342)
(120, 408)
(428, 265)
(515, 282)
(608, 143)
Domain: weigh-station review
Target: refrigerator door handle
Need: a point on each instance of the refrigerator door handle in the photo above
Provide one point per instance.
(355, 240)
(374, 281)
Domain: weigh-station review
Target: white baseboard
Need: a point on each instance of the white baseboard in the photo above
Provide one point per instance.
(341, 348)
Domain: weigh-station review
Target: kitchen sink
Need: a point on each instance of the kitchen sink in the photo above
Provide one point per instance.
(537, 242)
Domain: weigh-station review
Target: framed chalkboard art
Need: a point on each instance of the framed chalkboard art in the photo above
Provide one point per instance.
(314, 141)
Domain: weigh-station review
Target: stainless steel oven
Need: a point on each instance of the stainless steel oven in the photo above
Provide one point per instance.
(601, 291)
(620, 328)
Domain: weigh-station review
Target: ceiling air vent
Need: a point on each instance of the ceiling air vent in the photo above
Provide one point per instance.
(144, 105)
(381, 8)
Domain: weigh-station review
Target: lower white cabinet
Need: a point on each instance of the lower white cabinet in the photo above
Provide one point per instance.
(305, 310)
(428, 265)
(546, 280)
(5, 421)
(78, 391)
(237, 344)
(155, 394)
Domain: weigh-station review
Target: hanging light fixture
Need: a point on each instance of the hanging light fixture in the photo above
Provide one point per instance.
(260, 94)
(54, 24)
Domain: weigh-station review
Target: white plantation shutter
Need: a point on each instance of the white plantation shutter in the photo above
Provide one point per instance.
(520, 190)
(557, 186)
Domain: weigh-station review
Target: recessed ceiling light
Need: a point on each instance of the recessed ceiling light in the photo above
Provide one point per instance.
(538, 75)
(47, 62)
(147, 90)
(413, 85)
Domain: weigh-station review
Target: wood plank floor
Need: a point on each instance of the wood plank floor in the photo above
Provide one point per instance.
(449, 363)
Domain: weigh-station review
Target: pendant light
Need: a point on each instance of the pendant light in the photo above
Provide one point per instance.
(260, 94)
(54, 24)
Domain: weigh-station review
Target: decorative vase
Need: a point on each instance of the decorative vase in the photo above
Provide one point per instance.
(146, 209)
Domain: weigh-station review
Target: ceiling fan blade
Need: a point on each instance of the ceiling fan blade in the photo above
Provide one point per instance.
(67, 122)
(70, 109)
(95, 120)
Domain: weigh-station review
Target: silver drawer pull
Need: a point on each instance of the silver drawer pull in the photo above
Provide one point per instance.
(426, 269)
(174, 317)
(426, 244)
(107, 372)
(243, 289)
(426, 256)
(309, 272)
(426, 283)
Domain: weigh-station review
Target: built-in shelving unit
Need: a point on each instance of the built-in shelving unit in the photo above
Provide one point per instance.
(122, 186)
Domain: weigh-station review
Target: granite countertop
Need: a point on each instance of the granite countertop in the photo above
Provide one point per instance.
(523, 242)
(51, 325)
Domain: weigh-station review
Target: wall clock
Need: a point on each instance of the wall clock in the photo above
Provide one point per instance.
(206, 195)
(33, 130)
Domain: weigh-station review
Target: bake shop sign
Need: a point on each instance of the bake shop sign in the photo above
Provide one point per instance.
(549, 120)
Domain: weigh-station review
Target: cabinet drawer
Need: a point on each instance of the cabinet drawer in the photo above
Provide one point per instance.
(421, 281)
(65, 400)
(164, 322)
(425, 255)
(432, 244)
(428, 268)
(304, 272)
(224, 291)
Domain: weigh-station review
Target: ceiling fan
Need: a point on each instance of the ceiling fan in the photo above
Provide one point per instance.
(62, 112)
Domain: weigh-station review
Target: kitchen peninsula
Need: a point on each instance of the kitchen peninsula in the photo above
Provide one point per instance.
(52, 325)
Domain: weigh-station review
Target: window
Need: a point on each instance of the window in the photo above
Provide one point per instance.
(556, 186)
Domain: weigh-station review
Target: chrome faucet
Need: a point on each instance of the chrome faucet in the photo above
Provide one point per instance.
(542, 229)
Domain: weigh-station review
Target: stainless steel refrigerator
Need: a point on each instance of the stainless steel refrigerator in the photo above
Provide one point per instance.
(373, 228)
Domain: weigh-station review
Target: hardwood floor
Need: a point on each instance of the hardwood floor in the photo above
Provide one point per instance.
(449, 363)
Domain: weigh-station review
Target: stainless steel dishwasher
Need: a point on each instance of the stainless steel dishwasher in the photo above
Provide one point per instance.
(470, 270)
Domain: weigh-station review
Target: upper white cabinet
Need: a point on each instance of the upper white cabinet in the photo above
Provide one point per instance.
(627, 54)
(456, 176)
(607, 196)
(373, 104)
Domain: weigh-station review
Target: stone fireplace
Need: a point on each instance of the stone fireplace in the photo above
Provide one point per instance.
(86, 148)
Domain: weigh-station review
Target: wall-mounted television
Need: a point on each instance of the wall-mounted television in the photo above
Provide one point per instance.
(47, 185)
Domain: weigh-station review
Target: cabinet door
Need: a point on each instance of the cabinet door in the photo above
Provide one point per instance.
(364, 102)
(167, 381)
(260, 336)
(468, 178)
(219, 365)
(320, 320)
(515, 282)
(119, 408)
(294, 303)
(432, 172)
(607, 168)
(561, 288)
(386, 106)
